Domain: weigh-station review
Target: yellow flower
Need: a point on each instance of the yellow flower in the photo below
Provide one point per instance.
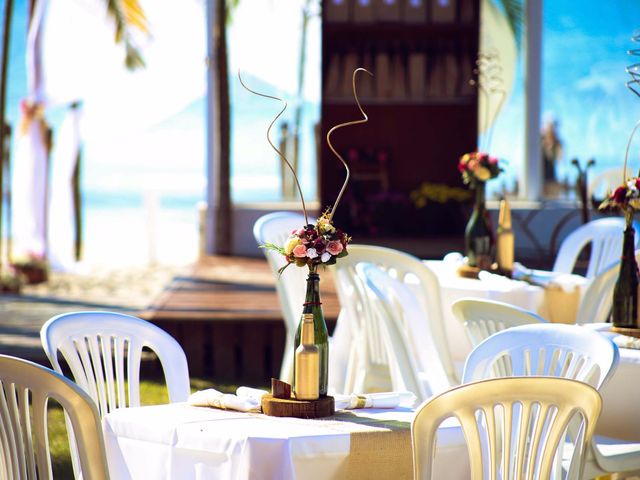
(635, 203)
(325, 226)
(483, 174)
(292, 243)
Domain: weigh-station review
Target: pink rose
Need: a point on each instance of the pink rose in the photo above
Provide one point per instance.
(300, 251)
(473, 164)
(334, 248)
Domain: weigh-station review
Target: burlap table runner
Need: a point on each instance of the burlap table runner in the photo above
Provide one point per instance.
(379, 449)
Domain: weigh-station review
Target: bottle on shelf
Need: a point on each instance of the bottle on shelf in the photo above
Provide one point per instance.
(443, 11)
(415, 11)
(312, 309)
(363, 11)
(337, 10)
(307, 363)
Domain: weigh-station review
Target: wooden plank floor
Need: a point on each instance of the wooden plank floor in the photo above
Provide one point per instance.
(225, 313)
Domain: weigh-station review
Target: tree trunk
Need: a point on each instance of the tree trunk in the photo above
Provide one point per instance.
(220, 199)
(6, 35)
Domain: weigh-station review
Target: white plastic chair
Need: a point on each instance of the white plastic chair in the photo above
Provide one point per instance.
(25, 389)
(605, 237)
(482, 318)
(276, 228)
(513, 426)
(393, 341)
(413, 273)
(103, 351)
(568, 351)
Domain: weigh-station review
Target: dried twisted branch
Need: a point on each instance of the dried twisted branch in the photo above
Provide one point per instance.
(280, 154)
(365, 119)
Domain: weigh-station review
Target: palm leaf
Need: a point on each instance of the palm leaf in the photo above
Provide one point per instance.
(514, 11)
(127, 15)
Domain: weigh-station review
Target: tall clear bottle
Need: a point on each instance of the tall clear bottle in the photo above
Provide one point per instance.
(478, 236)
(625, 291)
(313, 306)
(505, 241)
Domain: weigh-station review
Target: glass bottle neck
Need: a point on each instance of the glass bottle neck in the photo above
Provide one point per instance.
(480, 204)
(628, 246)
(312, 297)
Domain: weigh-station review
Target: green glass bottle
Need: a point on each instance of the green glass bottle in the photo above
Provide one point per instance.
(478, 235)
(625, 291)
(313, 306)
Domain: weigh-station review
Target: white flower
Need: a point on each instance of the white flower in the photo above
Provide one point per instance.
(312, 253)
(326, 256)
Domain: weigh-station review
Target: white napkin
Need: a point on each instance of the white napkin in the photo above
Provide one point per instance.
(245, 400)
(374, 400)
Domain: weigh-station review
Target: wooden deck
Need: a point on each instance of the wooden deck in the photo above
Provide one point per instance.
(225, 313)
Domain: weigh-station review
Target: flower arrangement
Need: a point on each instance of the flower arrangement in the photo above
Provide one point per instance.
(624, 197)
(313, 245)
(322, 243)
(478, 167)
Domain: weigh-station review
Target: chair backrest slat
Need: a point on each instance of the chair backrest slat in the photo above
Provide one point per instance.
(514, 427)
(25, 390)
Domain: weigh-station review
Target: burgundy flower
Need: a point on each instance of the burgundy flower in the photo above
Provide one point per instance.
(619, 194)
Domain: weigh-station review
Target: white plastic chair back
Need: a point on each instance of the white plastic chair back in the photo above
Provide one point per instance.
(25, 389)
(482, 318)
(549, 349)
(103, 351)
(513, 427)
(394, 315)
(605, 237)
(422, 282)
(276, 228)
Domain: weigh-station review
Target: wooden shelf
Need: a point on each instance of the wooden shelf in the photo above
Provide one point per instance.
(408, 140)
(401, 102)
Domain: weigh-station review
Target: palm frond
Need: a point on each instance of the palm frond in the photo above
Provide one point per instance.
(514, 12)
(127, 15)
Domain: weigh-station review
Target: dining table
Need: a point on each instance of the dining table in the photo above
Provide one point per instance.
(558, 302)
(181, 441)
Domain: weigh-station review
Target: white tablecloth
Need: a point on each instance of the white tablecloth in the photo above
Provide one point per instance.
(553, 303)
(621, 399)
(502, 289)
(183, 442)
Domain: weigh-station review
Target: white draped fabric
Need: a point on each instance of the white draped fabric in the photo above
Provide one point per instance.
(29, 192)
(29, 182)
(61, 220)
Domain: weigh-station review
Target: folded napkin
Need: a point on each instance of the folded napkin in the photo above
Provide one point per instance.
(248, 399)
(625, 341)
(374, 400)
(245, 400)
(566, 281)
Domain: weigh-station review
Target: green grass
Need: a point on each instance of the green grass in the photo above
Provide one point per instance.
(151, 393)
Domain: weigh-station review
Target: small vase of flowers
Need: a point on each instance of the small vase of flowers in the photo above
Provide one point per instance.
(626, 199)
(477, 168)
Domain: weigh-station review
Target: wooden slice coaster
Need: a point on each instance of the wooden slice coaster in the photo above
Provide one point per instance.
(290, 407)
(467, 271)
(629, 332)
